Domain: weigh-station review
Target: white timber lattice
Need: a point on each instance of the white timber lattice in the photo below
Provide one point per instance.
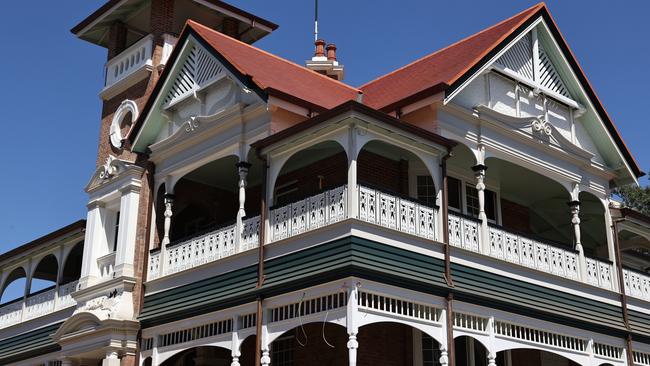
(470, 322)
(146, 344)
(199, 69)
(641, 358)
(308, 307)
(549, 77)
(247, 321)
(608, 351)
(519, 58)
(396, 306)
(542, 337)
(199, 332)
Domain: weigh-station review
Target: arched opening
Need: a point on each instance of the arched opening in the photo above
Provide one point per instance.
(529, 203)
(394, 170)
(207, 198)
(470, 352)
(247, 351)
(147, 362)
(14, 286)
(200, 356)
(45, 274)
(311, 171)
(593, 229)
(72, 265)
(311, 344)
(532, 357)
(389, 343)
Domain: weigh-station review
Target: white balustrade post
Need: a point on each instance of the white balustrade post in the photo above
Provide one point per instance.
(353, 188)
(242, 170)
(484, 238)
(575, 221)
(169, 205)
(352, 326)
(234, 345)
(492, 355)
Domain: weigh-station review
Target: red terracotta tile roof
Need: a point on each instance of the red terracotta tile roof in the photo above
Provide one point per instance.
(442, 68)
(274, 74)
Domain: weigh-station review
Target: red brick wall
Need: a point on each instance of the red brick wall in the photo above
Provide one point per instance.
(515, 216)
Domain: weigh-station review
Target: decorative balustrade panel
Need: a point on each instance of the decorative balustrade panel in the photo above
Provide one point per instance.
(106, 266)
(11, 314)
(396, 213)
(463, 233)
(250, 233)
(40, 304)
(308, 214)
(129, 61)
(65, 295)
(599, 273)
(637, 284)
(200, 249)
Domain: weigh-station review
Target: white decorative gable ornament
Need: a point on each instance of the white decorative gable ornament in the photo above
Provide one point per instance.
(108, 169)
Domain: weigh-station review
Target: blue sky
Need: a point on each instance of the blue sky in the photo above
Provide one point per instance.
(50, 80)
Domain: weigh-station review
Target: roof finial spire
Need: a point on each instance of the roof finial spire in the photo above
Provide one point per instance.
(315, 20)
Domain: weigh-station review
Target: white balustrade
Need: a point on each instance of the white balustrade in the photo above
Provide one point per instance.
(599, 273)
(463, 232)
(40, 304)
(129, 61)
(637, 284)
(106, 265)
(11, 313)
(37, 305)
(308, 214)
(199, 250)
(250, 233)
(532, 253)
(396, 213)
(65, 295)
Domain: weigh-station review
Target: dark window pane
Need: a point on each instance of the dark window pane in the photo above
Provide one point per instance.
(453, 187)
(426, 191)
(491, 205)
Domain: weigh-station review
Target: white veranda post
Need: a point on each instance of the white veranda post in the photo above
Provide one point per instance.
(575, 222)
(352, 327)
(242, 169)
(479, 173)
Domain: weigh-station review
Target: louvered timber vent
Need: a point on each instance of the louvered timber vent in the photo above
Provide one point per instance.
(398, 306)
(191, 334)
(549, 78)
(519, 58)
(308, 307)
(199, 69)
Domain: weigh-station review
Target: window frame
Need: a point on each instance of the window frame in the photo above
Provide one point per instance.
(467, 180)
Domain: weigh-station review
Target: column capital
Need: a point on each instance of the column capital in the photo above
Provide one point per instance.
(573, 203)
(243, 165)
(479, 168)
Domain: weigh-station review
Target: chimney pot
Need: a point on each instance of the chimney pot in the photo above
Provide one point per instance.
(320, 48)
(331, 52)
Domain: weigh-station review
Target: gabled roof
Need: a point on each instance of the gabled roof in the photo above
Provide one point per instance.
(436, 72)
(272, 73)
(446, 69)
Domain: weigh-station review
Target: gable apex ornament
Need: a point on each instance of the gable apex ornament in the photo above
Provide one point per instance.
(108, 169)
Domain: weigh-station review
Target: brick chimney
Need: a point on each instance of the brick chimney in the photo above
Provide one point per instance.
(324, 60)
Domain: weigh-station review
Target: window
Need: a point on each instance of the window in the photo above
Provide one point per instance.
(117, 230)
(454, 194)
(282, 351)
(459, 190)
(426, 191)
(430, 351)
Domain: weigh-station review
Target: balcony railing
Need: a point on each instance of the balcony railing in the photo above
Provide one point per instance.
(37, 305)
(637, 284)
(320, 210)
(401, 214)
(129, 61)
(464, 232)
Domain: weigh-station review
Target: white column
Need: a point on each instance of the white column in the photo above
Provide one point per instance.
(444, 354)
(492, 355)
(28, 286)
(352, 194)
(351, 319)
(266, 356)
(242, 170)
(611, 244)
(169, 204)
(479, 173)
(94, 244)
(59, 274)
(128, 227)
(234, 346)
(111, 359)
(575, 221)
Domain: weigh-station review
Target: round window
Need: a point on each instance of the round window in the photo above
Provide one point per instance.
(122, 122)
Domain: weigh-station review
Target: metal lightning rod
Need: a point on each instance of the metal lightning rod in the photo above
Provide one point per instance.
(316, 21)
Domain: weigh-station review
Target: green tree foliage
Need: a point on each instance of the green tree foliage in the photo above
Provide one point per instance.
(637, 198)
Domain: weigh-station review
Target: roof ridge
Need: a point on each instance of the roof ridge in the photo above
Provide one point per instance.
(534, 7)
(191, 23)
